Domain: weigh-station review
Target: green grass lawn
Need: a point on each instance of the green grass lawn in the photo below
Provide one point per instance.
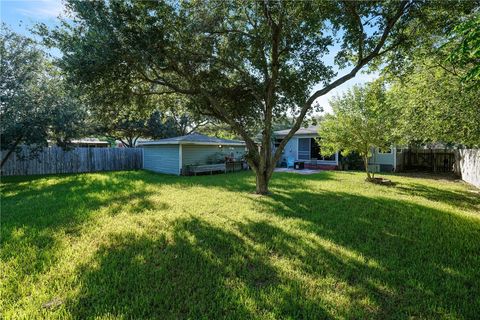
(143, 245)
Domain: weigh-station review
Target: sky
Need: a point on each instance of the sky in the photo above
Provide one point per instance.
(22, 15)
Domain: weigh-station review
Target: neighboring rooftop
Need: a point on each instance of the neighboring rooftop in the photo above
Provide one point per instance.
(310, 130)
(194, 138)
(84, 141)
(89, 141)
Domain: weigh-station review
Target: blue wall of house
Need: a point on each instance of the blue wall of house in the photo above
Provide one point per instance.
(290, 150)
(162, 158)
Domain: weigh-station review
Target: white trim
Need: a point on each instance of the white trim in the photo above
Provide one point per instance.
(336, 158)
(143, 158)
(394, 151)
(159, 143)
(180, 160)
(299, 135)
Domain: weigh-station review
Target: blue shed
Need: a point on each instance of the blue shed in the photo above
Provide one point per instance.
(174, 155)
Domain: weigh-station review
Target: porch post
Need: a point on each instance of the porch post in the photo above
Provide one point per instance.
(180, 160)
(394, 151)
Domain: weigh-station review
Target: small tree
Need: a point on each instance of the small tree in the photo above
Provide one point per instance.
(361, 121)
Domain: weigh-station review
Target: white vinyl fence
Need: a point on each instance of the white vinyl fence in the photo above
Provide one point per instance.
(56, 160)
(468, 165)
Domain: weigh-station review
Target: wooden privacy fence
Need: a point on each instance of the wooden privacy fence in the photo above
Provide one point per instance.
(56, 160)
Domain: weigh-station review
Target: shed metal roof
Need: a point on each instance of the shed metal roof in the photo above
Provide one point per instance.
(195, 138)
(310, 130)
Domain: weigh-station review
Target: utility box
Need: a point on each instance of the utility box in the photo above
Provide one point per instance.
(298, 165)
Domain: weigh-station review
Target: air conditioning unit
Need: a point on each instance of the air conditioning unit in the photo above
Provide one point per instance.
(374, 167)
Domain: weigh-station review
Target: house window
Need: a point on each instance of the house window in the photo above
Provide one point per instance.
(304, 148)
(309, 149)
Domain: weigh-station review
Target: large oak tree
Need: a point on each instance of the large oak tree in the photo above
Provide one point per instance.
(36, 106)
(245, 63)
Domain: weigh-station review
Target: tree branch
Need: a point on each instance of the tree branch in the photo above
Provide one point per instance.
(11, 149)
(167, 84)
(351, 7)
(201, 124)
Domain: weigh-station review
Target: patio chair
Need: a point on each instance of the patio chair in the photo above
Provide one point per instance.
(290, 162)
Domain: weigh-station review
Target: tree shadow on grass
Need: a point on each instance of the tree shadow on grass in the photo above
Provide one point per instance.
(427, 258)
(197, 271)
(457, 198)
(369, 258)
(33, 213)
(69, 200)
(343, 255)
(444, 176)
(341, 277)
(236, 182)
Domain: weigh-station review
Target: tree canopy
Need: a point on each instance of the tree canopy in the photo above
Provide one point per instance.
(435, 105)
(436, 94)
(144, 117)
(35, 104)
(466, 51)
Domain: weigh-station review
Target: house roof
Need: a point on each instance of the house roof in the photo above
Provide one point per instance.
(195, 138)
(310, 130)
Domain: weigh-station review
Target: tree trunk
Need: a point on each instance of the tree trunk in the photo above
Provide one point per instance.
(7, 156)
(10, 151)
(262, 183)
(263, 168)
(365, 161)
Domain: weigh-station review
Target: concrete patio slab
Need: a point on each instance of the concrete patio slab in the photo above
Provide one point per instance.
(303, 171)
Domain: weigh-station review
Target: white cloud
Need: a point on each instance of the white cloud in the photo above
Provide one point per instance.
(41, 9)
